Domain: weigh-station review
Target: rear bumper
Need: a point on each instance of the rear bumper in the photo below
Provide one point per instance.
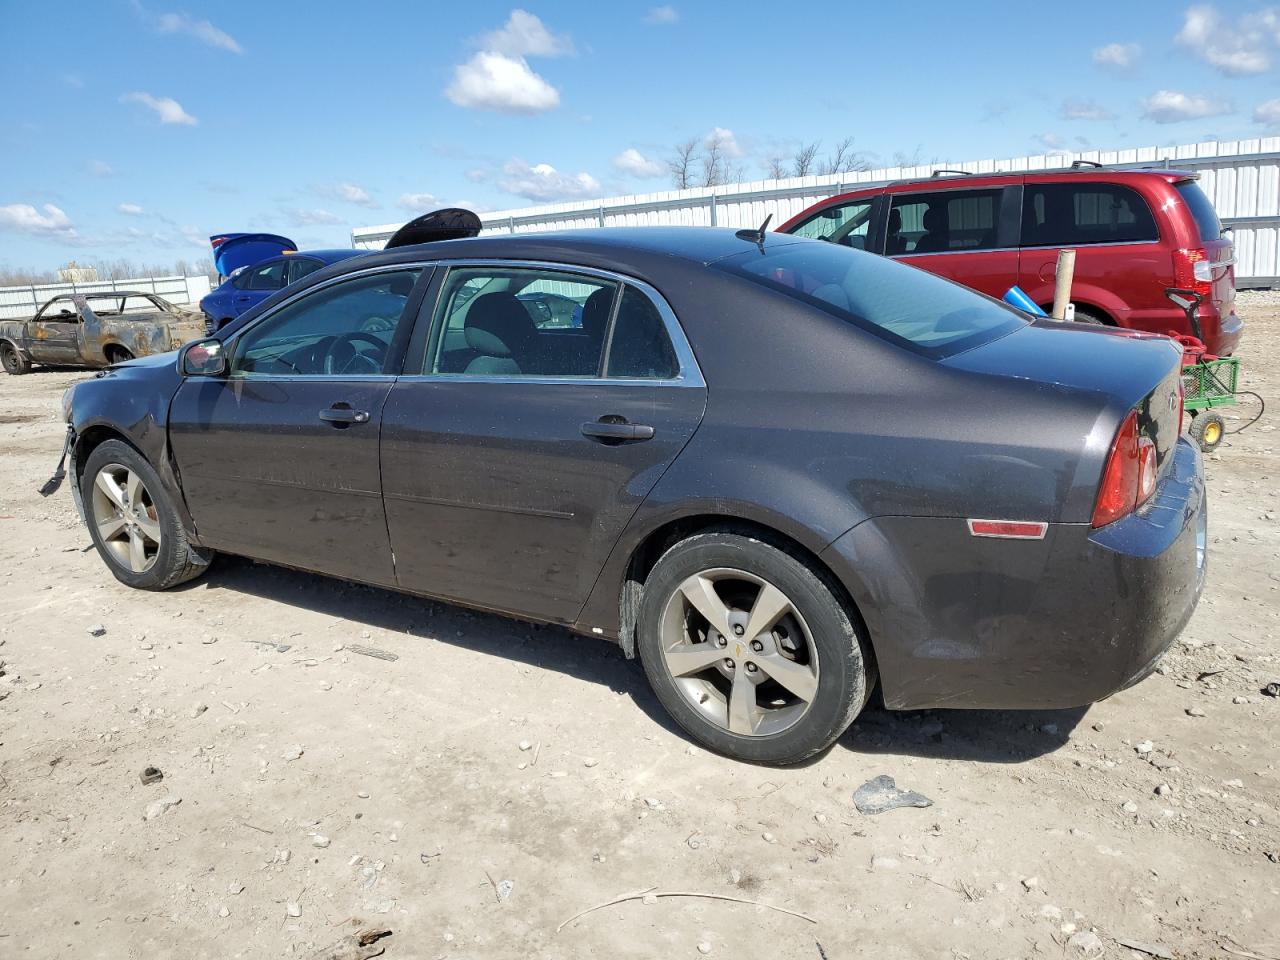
(1229, 331)
(962, 621)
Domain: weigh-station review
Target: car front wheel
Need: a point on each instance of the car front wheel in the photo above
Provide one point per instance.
(14, 362)
(133, 521)
(750, 650)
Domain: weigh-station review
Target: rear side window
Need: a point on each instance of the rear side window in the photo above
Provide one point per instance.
(301, 266)
(844, 223)
(1069, 215)
(640, 348)
(954, 220)
(914, 309)
(267, 276)
(1201, 209)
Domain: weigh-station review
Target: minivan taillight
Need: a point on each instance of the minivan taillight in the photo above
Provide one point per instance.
(1129, 478)
(1193, 271)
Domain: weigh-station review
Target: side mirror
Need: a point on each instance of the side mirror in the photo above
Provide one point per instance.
(203, 358)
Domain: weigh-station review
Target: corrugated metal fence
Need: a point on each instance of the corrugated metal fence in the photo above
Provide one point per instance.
(1242, 177)
(20, 302)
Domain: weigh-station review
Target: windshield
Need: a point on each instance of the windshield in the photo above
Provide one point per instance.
(902, 304)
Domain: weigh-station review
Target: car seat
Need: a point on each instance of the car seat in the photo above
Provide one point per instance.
(937, 234)
(500, 331)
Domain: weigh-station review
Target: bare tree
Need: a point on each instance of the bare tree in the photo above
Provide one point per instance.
(912, 159)
(681, 164)
(776, 165)
(802, 164)
(844, 159)
(712, 163)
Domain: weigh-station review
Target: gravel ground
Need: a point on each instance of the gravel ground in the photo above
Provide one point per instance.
(498, 778)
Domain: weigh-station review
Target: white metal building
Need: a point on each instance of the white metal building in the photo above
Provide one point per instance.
(1242, 177)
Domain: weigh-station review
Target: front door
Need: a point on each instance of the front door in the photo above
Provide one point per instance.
(969, 236)
(55, 332)
(279, 459)
(513, 459)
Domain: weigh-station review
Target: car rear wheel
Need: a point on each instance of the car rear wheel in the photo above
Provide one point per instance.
(133, 521)
(750, 650)
(14, 362)
(118, 355)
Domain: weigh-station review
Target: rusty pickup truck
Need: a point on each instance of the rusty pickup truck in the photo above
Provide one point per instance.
(96, 330)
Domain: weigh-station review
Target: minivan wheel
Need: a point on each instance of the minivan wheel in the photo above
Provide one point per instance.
(133, 522)
(749, 650)
(1084, 316)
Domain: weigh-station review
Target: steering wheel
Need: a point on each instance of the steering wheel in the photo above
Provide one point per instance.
(342, 356)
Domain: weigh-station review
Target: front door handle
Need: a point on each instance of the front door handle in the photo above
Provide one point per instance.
(341, 414)
(614, 430)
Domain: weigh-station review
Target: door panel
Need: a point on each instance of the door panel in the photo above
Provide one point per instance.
(265, 476)
(495, 497)
(966, 235)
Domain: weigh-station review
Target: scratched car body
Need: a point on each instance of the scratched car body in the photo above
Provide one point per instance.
(777, 470)
(96, 330)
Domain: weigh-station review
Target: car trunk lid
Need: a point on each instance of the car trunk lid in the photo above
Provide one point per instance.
(231, 251)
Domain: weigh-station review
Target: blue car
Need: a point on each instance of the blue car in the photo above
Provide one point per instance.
(256, 266)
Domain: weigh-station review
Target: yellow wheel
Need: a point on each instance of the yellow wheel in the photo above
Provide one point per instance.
(1207, 429)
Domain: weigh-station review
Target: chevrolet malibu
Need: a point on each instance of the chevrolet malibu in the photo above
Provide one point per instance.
(776, 470)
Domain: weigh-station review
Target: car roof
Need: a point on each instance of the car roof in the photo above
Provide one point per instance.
(328, 256)
(604, 247)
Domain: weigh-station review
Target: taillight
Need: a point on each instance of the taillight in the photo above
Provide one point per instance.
(1192, 271)
(1129, 477)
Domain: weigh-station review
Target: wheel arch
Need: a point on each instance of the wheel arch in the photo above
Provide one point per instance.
(646, 553)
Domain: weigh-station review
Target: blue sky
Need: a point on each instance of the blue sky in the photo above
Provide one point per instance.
(135, 129)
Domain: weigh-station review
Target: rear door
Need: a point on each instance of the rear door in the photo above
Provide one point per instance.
(55, 332)
(259, 282)
(513, 455)
(967, 235)
(1114, 234)
(1218, 248)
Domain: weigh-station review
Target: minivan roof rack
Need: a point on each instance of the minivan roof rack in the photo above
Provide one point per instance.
(944, 172)
(1081, 164)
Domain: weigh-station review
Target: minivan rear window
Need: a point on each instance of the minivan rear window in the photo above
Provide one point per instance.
(1201, 210)
(914, 309)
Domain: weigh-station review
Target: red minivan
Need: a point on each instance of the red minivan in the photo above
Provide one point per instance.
(1136, 233)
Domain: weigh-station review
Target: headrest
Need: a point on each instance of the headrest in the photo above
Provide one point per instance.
(935, 219)
(497, 324)
(595, 313)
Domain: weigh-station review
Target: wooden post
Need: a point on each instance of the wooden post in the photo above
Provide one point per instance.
(1062, 283)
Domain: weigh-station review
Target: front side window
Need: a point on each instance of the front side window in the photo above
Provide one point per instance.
(846, 223)
(521, 322)
(266, 276)
(943, 222)
(912, 308)
(1069, 215)
(59, 311)
(344, 329)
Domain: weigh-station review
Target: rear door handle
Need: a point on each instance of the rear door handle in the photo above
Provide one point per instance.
(617, 430)
(341, 414)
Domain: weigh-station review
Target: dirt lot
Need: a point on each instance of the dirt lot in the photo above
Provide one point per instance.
(321, 789)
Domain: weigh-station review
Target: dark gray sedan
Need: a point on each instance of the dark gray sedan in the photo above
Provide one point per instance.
(775, 469)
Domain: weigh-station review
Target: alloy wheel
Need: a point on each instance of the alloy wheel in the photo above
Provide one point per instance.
(740, 652)
(126, 517)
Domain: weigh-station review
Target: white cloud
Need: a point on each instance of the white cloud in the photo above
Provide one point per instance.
(634, 162)
(130, 209)
(166, 108)
(421, 202)
(494, 81)
(348, 193)
(661, 16)
(1084, 110)
(1119, 56)
(1051, 142)
(1245, 47)
(202, 30)
(477, 175)
(49, 221)
(311, 218)
(1268, 113)
(1170, 106)
(73, 80)
(499, 77)
(524, 35)
(194, 235)
(100, 168)
(543, 182)
(728, 142)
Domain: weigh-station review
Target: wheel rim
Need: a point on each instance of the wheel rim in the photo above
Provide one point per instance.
(1212, 432)
(126, 518)
(740, 652)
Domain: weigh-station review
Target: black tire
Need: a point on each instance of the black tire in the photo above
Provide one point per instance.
(14, 363)
(175, 560)
(1207, 430)
(845, 674)
(1089, 317)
